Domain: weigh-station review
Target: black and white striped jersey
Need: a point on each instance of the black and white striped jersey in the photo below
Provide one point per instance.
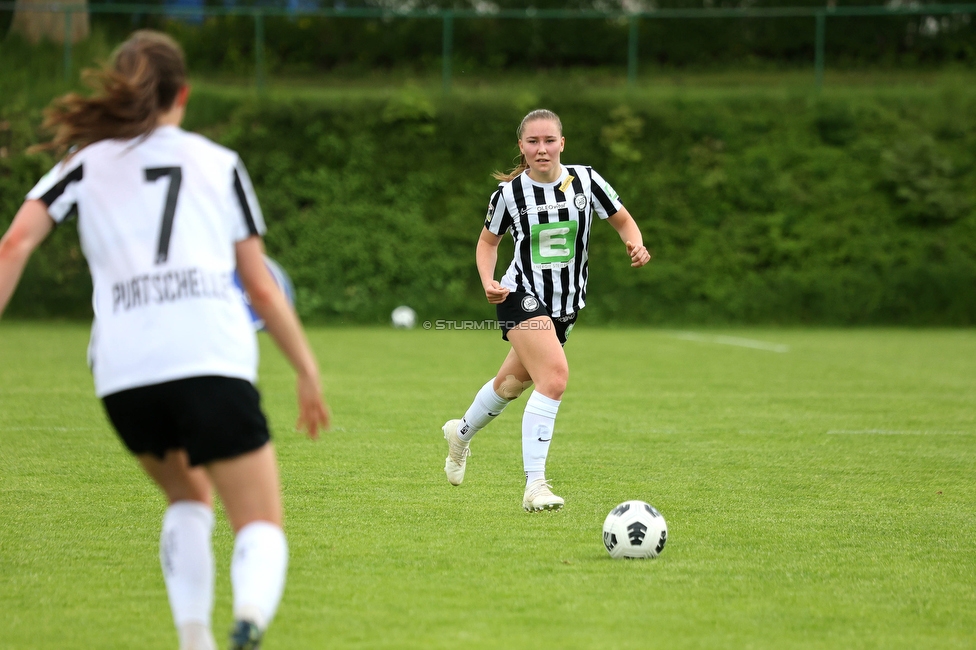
(550, 223)
(158, 218)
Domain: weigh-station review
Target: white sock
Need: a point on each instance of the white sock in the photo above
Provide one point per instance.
(487, 406)
(187, 559)
(532, 477)
(538, 421)
(196, 636)
(257, 572)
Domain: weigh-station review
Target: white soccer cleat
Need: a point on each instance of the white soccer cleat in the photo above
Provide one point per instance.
(538, 496)
(457, 452)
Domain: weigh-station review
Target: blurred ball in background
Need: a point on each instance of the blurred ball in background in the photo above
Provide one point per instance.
(403, 317)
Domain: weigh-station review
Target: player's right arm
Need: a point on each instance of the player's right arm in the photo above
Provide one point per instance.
(487, 257)
(29, 228)
(283, 325)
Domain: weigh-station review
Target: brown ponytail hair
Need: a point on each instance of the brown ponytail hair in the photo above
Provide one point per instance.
(141, 82)
(537, 114)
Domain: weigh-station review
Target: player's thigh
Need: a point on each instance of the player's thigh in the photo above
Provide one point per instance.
(512, 366)
(176, 478)
(248, 486)
(540, 353)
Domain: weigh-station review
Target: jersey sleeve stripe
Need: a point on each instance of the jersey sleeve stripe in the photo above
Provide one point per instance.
(55, 192)
(596, 189)
(499, 218)
(248, 201)
(604, 200)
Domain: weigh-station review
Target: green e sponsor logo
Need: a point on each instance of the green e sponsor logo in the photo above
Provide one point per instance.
(554, 242)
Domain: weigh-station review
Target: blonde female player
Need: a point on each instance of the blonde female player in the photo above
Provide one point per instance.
(548, 208)
(164, 218)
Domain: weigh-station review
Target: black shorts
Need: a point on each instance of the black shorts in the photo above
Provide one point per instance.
(212, 418)
(519, 307)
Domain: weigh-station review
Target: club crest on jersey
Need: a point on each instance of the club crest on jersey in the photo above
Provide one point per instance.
(579, 201)
(530, 303)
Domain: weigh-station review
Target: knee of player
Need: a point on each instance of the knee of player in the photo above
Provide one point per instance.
(510, 387)
(189, 493)
(553, 384)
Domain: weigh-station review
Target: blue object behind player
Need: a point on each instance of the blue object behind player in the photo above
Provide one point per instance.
(283, 282)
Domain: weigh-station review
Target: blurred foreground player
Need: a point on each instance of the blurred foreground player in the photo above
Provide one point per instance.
(164, 218)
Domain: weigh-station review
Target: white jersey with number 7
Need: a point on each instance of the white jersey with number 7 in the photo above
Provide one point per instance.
(158, 218)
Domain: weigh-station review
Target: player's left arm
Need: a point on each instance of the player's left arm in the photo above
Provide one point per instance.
(285, 329)
(30, 227)
(630, 235)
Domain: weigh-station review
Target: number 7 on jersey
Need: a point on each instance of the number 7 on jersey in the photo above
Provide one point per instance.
(169, 210)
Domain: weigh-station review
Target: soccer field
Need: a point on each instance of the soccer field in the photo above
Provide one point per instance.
(819, 488)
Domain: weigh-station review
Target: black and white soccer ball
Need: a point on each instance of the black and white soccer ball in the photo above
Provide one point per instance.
(634, 529)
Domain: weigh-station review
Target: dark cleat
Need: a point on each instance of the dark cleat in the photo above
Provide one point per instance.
(245, 635)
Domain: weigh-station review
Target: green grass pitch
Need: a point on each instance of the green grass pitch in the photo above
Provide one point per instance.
(819, 487)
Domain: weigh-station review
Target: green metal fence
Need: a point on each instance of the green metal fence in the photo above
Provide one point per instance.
(448, 16)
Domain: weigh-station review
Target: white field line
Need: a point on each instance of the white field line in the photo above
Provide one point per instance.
(733, 340)
(892, 432)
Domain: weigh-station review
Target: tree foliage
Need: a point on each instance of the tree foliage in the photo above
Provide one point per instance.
(845, 209)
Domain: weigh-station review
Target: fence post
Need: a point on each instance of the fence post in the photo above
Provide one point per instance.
(447, 46)
(632, 52)
(259, 49)
(819, 51)
(67, 43)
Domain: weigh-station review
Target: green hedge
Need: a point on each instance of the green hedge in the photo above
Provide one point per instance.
(759, 208)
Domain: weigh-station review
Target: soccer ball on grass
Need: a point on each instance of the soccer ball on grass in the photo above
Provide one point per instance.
(634, 529)
(403, 317)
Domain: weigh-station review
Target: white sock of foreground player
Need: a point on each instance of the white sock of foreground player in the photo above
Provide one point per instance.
(537, 425)
(257, 572)
(487, 406)
(188, 569)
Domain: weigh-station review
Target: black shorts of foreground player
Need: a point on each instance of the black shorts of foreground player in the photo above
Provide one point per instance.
(548, 208)
(176, 368)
